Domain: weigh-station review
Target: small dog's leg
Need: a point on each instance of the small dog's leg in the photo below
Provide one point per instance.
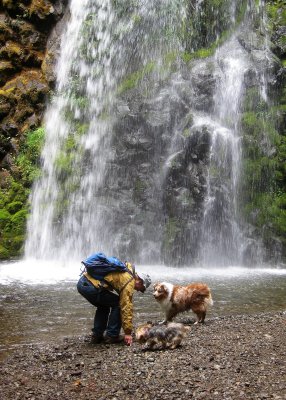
(201, 317)
(170, 315)
(175, 344)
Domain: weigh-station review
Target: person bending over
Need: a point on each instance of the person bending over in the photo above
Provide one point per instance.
(113, 299)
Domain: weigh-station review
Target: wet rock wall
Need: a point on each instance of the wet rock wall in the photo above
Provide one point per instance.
(27, 60)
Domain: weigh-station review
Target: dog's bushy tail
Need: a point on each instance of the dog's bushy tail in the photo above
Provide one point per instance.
(209, 300)
(201, 294)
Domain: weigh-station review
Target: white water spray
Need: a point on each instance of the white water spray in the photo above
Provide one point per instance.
(77, 207)
(222, 239)
(104, 42)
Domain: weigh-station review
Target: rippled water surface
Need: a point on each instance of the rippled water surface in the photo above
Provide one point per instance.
(39, 302)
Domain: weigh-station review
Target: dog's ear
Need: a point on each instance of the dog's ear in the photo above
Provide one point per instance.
(164, 287)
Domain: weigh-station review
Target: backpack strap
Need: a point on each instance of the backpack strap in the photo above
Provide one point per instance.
(129, 280)
(130, 268)
(132, 273)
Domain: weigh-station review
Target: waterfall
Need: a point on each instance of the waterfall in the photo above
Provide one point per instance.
(142, 156)
(104, 43)
(222, 239)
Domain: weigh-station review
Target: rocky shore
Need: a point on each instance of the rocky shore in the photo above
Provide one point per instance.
(237, 357)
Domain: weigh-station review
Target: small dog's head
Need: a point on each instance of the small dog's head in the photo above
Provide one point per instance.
(161, 337)
(142, 332)
(161, 291)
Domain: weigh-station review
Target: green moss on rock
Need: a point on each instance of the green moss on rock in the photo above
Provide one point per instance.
(133, 79)
(4, 253)
(17, 223)
(14, 207)
(263, 166)
(5, 218)
(172, 228)
(14, 197)
(29, 156)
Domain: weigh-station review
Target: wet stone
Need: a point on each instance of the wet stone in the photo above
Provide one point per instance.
(100, 372)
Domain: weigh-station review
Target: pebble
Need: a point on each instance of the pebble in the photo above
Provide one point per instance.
(208, 365)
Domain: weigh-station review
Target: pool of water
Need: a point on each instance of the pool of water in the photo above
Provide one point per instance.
(39, 302)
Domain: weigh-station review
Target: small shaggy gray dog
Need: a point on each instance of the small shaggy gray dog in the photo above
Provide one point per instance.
(157, 337)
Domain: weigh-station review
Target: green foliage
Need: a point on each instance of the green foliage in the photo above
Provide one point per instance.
(68, 163)
(205, 52)
(264, 166)
(133, 79)
(13, 220)
(13, 199)
(172, 228)
(29, 171)
(170, 57)
(17, 223)
(4, 253)
(33, 143)
(14, 206)
(28, 159)
(79, 102)
(81, 128)
(277, 12)
(5, 218)
(16, 192)
(64, 163)
(259, 151)
(208, 26)
(268, 212)
(254, 101)
(201, 53)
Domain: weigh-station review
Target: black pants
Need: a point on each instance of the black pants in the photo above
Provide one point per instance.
(107, 316)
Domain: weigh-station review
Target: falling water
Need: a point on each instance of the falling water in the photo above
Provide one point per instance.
(223, 237)
(93, 193)
(104, 43)
(222, 240)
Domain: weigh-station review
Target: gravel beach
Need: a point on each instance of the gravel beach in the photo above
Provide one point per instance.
(237, 357)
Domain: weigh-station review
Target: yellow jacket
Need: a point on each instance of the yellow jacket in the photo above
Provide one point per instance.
(123, 283)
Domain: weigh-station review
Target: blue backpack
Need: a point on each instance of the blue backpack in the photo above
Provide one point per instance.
(98, 265)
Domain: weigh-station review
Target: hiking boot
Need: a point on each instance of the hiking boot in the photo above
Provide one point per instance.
(113, 339)
(96, 339)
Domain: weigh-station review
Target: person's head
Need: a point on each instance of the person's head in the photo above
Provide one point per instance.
(142, 282)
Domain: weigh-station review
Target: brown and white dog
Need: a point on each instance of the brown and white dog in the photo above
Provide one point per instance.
(175, 299)
(157, 337)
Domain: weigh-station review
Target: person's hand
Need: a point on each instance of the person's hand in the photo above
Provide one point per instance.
(128, 340)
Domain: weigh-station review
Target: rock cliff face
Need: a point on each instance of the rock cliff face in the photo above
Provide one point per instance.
(29, 43)
(143, 131)
(26, 69)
